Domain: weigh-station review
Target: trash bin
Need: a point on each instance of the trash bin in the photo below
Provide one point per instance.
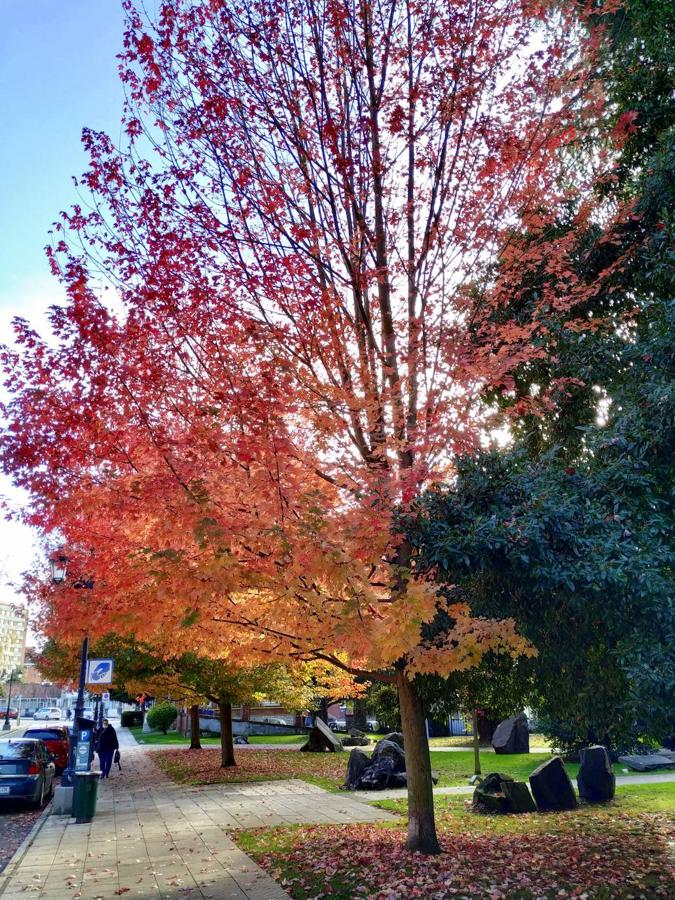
(84, 796)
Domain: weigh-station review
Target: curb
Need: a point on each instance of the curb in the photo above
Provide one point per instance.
(23, 848)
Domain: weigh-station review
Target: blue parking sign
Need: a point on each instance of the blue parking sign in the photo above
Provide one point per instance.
(99, 671)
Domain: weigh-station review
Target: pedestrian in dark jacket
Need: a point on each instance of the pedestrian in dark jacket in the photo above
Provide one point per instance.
(107, 744)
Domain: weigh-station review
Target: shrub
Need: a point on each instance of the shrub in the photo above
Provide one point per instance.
(131, 717)
(162, 715)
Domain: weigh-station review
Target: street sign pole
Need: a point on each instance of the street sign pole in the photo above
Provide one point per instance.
(68, 775)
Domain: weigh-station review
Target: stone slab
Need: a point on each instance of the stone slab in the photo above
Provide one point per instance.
(519, 797)
(646, 762)
(328, 734)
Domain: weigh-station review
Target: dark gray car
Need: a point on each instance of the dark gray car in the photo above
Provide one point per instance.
(27, 771)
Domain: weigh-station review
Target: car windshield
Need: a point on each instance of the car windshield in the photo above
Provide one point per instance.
(16, 750)
(44, 734)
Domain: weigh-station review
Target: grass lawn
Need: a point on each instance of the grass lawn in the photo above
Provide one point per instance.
(537, 742)
(277, 739)
(608, 851)
(175, 737)
(171, 737)
(328, 769)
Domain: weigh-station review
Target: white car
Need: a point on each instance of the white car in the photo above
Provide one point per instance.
(48, 712)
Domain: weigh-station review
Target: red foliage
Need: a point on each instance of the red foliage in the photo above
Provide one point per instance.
(608, 862)
(314, 236)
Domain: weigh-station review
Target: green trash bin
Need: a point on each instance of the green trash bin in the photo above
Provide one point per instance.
(84, 796)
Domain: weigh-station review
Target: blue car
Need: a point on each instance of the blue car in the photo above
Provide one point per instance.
(27, 771)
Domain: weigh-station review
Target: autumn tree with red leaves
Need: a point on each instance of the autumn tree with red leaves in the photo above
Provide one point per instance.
(320, 214)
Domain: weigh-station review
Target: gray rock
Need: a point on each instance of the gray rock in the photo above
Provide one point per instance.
(321, 739)
(646, 762)
(376, 776)
(551, 786)
(358, 762)
(396, 737)
(512, 735)
(241, 739)
(519, 797)
(398, 780)
(489, 796)
(596, 781)
(355, 742)
(387, 748)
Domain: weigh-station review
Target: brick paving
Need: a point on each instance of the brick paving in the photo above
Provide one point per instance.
(153, 838)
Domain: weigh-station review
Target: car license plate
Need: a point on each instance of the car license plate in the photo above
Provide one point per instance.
(4, 789)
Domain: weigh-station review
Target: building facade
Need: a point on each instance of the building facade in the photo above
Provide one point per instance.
(13, 626)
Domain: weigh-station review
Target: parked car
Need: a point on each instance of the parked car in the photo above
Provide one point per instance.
(26, 771)
(55, 738)
(337, 724)
(13, 712)
(48, 712)
(271, 720)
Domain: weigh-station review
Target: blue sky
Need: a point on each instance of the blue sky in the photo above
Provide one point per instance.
(58, 73)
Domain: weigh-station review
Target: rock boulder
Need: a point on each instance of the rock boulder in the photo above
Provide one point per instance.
(646, 762)
(321, 739)
(512, 735)
(386, 748)
(551, 786)
(489, 796)
(357, 764)
(376, 776)
(596, 781)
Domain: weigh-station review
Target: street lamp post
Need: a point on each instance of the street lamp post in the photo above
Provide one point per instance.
(59, 566)
(7, 726)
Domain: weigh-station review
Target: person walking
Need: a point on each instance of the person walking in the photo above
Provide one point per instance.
(107, 744)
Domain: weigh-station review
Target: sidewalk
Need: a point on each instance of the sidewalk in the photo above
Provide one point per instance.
(152, 838)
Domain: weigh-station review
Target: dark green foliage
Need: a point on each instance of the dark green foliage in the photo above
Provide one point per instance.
(639, 71)
(499, 687)
(581, 556)
(162, 715)
(131, 718)
(382, 702)
(571, 530)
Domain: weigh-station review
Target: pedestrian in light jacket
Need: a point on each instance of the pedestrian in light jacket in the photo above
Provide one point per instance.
(107, 744)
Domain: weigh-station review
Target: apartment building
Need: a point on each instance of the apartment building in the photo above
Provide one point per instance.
(13, 625)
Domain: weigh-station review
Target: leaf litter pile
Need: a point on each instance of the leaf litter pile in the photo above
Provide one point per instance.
(203, 767)
(613, 855)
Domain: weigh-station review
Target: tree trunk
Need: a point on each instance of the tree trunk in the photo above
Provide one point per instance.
(360, 719)
(226, 743)
(323, 709)
(476, 744)
(195, 742)
(421, 822)
(486, 728)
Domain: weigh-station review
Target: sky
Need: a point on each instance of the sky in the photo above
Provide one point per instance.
(58, 74)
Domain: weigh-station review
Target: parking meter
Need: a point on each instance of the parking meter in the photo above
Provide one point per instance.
(84, 750)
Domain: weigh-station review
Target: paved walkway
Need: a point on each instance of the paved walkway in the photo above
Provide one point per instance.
(153, 838)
